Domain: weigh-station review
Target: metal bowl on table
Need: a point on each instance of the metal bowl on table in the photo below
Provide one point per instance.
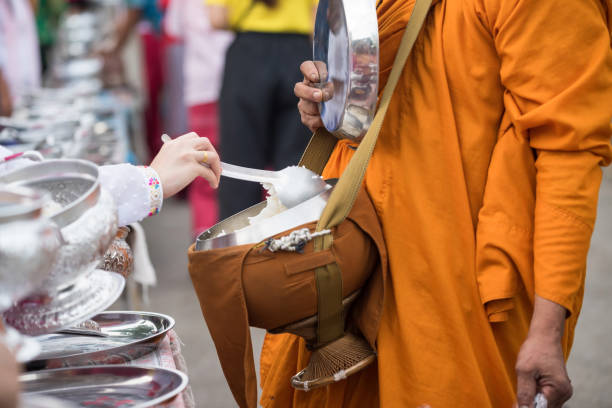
(345, 52)
(28, 243)
(107, 386)
(85, 213)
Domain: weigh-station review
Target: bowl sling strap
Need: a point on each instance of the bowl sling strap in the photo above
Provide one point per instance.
(328, 278)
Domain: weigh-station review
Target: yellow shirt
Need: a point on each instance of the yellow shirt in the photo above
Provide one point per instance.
(289, 16)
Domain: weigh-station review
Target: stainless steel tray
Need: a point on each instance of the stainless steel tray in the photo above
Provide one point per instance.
(106, 386)
(129, 335)
(88, 296)
(345, 52)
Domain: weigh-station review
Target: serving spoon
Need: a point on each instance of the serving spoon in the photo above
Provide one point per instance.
(293, 185)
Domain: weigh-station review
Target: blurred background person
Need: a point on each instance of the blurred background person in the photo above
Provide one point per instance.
(204, 56)
(259, 124)
(19, 52)
(147, 16)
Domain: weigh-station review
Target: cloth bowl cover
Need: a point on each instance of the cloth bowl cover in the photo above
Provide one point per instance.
(249, 285)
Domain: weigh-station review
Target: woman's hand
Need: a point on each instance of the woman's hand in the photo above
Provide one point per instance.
(181, 160)
(309, 96)
(540, 365)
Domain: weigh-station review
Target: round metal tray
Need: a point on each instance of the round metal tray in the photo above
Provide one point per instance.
(345, 52)
(106, 386)
(129, 335)
(88, 296)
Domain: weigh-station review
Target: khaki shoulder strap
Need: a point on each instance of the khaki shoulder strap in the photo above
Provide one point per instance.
(342, 198)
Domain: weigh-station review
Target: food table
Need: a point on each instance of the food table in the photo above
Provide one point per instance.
(69, 278)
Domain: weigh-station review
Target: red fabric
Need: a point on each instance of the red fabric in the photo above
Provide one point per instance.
(203, 199)
(152, 45)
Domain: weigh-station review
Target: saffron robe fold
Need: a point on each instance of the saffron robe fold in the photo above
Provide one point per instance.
(485, 178)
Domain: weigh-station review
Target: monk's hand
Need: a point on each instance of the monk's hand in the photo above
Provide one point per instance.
(540, 365)
(309, 96)
(181, 160)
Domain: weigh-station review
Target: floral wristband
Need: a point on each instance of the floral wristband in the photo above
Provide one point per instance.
(156, 194)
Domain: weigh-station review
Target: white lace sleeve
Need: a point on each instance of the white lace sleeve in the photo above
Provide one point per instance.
(136, 190)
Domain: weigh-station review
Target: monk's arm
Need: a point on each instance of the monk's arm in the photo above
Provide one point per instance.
(556, 67)
(556, 64)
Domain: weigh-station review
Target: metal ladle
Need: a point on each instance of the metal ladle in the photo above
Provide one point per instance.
(293, 185)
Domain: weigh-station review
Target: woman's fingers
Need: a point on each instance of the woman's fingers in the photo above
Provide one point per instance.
(202, 143)
(208, 174)
(210, 159)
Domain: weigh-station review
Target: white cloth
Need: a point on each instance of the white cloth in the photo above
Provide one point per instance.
(128, 185)
(144, 272)
(19, 55)
(204, 49)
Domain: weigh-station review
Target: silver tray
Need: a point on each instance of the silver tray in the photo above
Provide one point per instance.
(130, 335)
(106, 386)
(88, 296)
(345, 52)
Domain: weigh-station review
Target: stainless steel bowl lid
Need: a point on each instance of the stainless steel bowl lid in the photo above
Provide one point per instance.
(346, 55)
(72, 183)
(20, 203)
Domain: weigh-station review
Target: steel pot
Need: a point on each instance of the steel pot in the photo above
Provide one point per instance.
(85, 213)
(28, 243)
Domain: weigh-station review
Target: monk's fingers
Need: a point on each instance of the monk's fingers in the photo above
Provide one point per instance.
(525, 386)
(309, 93)
(312, 122)
(308, 107)
(557, 391)
(309, 70)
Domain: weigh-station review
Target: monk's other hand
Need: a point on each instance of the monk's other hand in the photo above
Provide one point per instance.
(310, 96)
(184, 158)
(540, 365)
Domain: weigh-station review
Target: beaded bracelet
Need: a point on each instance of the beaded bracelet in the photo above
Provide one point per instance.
(155, 190)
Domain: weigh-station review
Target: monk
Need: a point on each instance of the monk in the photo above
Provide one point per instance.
(485, 179)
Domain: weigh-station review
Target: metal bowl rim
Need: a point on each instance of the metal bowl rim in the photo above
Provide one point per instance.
(29, 210)
(70, 212)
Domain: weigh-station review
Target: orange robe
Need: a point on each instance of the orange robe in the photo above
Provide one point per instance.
(485, 178)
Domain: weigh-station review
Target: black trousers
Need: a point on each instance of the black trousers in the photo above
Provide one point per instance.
(260, 125)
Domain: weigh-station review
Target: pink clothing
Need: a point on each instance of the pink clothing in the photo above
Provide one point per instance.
(203, 199)
(19, 55)
(204, 49)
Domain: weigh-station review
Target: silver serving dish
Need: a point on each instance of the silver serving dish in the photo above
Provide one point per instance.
(81, 68)
(237, 230)
(88, 296)
(85, 213)
(28, 243)
(128, 336)
(106, 386)
(345, 52)
(40, 401)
